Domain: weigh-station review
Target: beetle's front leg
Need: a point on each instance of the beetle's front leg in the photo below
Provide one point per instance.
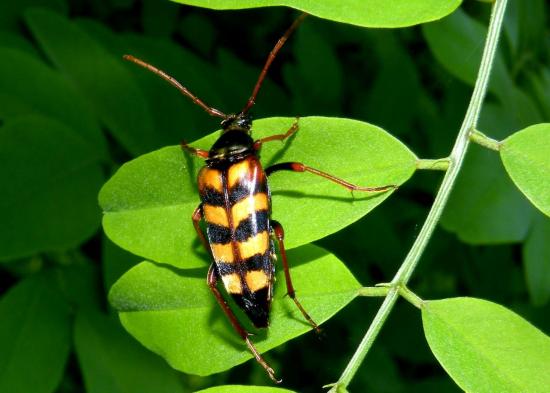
(280, 236)
(278, 137)
(194, 151)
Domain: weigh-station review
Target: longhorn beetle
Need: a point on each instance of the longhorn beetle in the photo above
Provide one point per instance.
(236, 205)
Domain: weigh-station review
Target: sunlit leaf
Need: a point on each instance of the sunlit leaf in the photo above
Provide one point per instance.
(173, 313)
(368, 13)
(526, 157)
(148, 203)
(244, 389)
(485, 347)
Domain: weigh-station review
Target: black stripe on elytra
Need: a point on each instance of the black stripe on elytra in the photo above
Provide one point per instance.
(218, 234)
(256, 262)
(240, 191)
(247, 228)
(252, 225)
(212, 197)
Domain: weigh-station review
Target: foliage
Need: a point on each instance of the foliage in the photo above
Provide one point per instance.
(73, 114)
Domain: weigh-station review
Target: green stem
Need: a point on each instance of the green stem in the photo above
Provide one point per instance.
(456, 158)
(373, 291)
(441, 164)
(481, 139)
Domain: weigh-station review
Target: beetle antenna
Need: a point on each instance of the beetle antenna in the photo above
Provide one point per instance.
(211, 111)
(270, 59)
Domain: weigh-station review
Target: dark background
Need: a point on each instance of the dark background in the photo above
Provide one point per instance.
(386, 77)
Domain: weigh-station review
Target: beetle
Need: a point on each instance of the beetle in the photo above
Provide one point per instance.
(236, 206)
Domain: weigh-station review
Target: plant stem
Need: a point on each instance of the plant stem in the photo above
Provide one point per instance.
(373, 291)
(441, 164)
(481, 139)
(456, 158)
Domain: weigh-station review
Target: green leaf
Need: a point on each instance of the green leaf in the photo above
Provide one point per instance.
(367, 13)
(173, 313)
(51, 178)
(35, 336)
(148, 203)
(42, 90)
(485, 347)
(112, 362)
(536, 257)
(457, 43)
(244, 389)
(526, 157)
(102, 78)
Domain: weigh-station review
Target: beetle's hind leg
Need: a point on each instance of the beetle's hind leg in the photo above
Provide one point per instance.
(280, 236)
(212, 283)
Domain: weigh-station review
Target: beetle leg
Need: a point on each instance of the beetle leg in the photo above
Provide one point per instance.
(278, 137)
(197, 217)
(280, 236)
(212, 283)
(192, 150)
(299, 167)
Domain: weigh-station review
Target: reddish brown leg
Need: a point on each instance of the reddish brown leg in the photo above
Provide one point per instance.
(299, 167)
(212, 283)
(197, 217)
(278, 137)
(280, 236)
(196, 152)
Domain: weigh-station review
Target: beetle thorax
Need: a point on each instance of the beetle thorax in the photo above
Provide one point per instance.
(232, 145)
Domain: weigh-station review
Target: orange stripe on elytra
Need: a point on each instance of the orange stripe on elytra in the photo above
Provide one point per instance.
(211, 178)
(255, 245)
(245, 207)
(232, 283)
(237, 172)
(223, 253)
(256, 280)
(215, 215)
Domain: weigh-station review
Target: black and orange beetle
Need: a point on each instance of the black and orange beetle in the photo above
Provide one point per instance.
(236, 206)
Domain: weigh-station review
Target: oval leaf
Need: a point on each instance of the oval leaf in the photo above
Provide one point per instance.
(367, 13)
(148, 203)
(173, 313)
(485, 347)
(244, 389)
(51, 176)
(526, 157)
